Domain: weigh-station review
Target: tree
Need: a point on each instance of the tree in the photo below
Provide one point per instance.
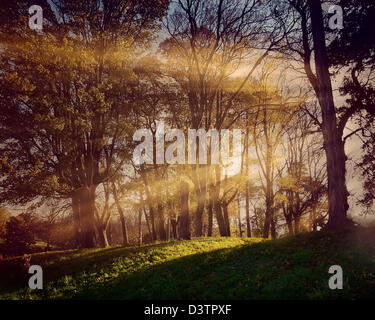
(351, 53)
(333, 143)
(124, 228)
(209, 40)
(4, 218)
(20, 233)
(70, 116)
(103, 215)
(48, 221)
(184, 226)
(273, 115)
(302, 22)
(302, 184)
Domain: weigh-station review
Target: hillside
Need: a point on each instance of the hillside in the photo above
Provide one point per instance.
(207, 268)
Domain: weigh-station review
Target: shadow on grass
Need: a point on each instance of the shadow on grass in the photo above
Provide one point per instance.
(14, 275)
(289, 268)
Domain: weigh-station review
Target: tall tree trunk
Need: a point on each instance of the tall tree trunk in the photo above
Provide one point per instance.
(102, 235)
(198, 221)
(76, 219)
(200, 184)
(148, 223)
(110, 232)
(297, 213)
(239, 216)
(247, 208)
(273, 228)
(152, 217)
(160, 221)
(247, 185)
(297, 220)
(290, 227)
(333, 144)
(226, 220)
(168, 229)
(150, 207)
(220, 218)
(87, 215)
(174, 228)
(210, 217)
(140, 226)
(124, 230)
(216, 203)
(289, 220)
(184, 220)
(313, 218)
(268, 216)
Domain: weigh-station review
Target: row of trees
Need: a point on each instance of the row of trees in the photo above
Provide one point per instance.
(73, 95)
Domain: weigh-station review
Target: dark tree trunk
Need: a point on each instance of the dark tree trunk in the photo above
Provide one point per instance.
(174, 228)
(297, 220)
(76, 218)
(150, 206)
(198, 221)
(216, 203)
(210, 218)
(333, 144)
(102, 235)
(124, 230)
(288, 214)
(239, 217)
(273, 229)
(152, 217)
(289, 222)
(184, 220)
(226, 220)
(87, 215)
(220, 218)
(247, 185)
(148, 223)
(168, 229)
(247, 208)
(268, 217)
(200, 184)
(161, 223)
(313, 218)
(140, 226)
(110, 232)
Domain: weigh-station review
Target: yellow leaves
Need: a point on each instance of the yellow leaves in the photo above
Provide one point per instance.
(41, 69)
(18, 82)
(5, 165)
(50, 122)
(52, 182)
(289, 182)
(59, 125)
(281, 198)
(4, 160)
(11, 76)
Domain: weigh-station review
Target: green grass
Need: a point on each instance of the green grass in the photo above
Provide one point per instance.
(207, 268)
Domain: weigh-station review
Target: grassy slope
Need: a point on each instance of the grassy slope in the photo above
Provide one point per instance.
(208, 268)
